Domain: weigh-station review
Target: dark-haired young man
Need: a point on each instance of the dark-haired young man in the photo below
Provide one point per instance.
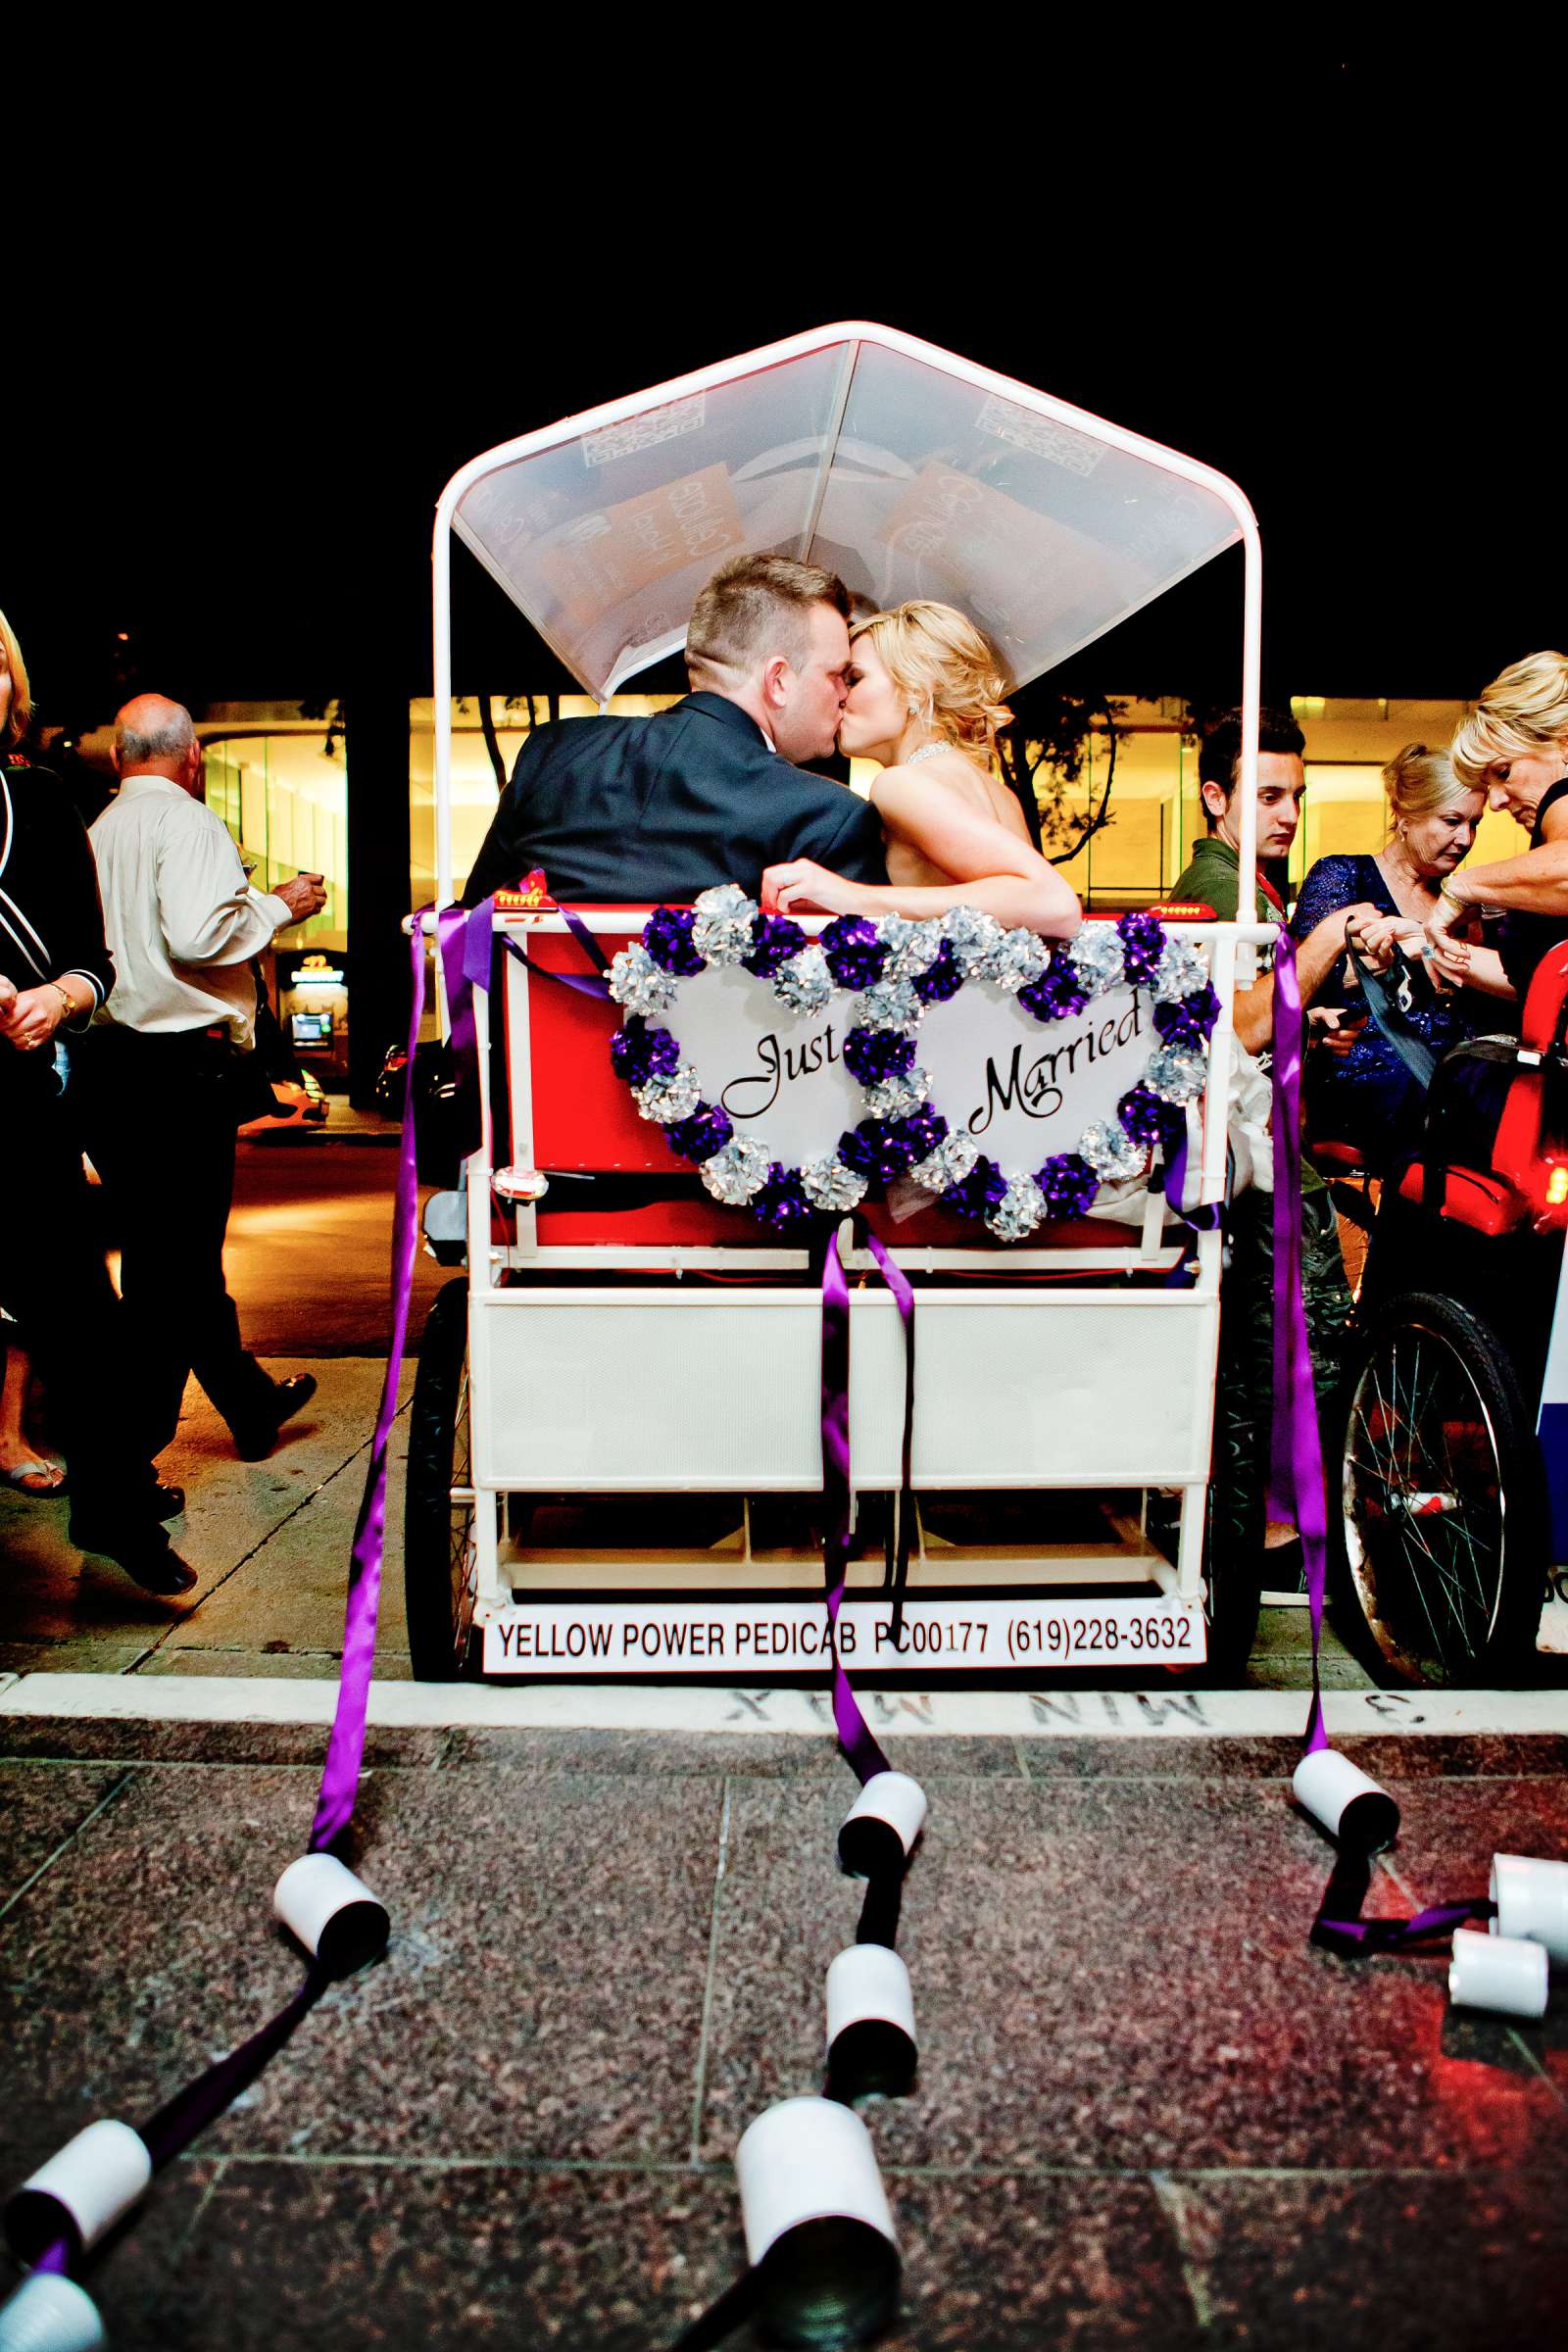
(1212, 875)
(620, 809)
(1245, 1381)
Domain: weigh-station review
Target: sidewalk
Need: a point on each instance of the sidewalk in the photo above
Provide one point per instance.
(1147, 2113)
(269, 1542)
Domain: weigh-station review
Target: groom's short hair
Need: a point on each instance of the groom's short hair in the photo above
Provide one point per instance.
(757, 606)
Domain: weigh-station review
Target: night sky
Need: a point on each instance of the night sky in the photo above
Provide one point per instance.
(230, 418)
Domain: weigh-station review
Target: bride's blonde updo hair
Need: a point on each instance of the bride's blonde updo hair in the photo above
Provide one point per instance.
(1524, 711)
(939, 659)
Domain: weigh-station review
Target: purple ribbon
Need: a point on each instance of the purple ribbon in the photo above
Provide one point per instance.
(189, 2112)
(345, 1749)
(1295, 1490)
(855, 1737)
(583, 984)
(182, 2119)
(1340, 1928)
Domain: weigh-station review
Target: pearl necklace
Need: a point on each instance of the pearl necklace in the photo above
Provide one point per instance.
(927, 751)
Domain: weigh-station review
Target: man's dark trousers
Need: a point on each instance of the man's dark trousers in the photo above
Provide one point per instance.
(158, 1115)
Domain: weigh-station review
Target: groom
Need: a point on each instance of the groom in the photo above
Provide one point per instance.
(637, 810)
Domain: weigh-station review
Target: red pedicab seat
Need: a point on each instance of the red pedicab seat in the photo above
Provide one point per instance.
(586, 1123)
(1526, 1179)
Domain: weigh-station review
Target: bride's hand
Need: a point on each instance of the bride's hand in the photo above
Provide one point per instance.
(802, 887)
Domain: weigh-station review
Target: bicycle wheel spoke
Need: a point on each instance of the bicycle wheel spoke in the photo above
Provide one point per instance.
(1423, 1504)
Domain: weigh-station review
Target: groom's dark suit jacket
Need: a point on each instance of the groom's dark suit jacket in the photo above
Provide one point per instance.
(640, 810)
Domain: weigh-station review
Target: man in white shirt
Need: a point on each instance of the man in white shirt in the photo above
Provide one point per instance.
(163, 1068)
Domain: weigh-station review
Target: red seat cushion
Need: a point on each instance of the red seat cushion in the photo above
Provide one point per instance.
(1482, 1202)
(1337, 1155)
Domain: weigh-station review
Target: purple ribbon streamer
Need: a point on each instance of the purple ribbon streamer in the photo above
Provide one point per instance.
(1295, 1489)
(584, 984)
(1354, 1937)
(345, 1750)
(898, 1282)
(855, 1737)
(188, 2113)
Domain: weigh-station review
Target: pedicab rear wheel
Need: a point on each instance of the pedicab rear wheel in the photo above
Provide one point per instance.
(438, 1545)
(1438, 1546)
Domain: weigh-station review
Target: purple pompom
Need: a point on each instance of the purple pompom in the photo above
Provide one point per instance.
(698, 1138)
(667, 936)
(855, 954)
(872, 1054)
(781, 1200)
(1069, 1185)
(941, 978)
(1188, 1020)
(981, 1189)
(775, 940)
(1058, 996)
(638, 1053)
(1143, 1115)
(881, 1148)
(919, 1134)
(1143, 944)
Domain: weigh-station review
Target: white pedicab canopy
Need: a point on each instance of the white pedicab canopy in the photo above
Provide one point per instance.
(907, 470)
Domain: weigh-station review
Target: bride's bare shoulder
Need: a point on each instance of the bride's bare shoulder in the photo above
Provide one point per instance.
(950, 768)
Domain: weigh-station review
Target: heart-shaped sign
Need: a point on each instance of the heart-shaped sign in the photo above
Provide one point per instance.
(1006, 1079)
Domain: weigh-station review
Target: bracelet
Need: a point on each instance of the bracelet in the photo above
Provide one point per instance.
(1452, 896)
(63, 993)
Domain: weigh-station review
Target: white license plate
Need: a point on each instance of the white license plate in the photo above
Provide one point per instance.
(753, 1641)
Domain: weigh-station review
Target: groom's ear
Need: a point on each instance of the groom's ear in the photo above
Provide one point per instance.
(777, 675)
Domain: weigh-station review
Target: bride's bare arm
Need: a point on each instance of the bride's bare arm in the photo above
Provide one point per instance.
(991, 869)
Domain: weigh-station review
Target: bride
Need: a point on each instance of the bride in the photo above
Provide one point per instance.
(925, 701)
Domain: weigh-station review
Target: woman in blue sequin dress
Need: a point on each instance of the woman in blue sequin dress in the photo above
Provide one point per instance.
(1357, 1089)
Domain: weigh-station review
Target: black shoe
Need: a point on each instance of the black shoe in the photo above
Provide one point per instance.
(146, 1558)
(168, 1501)
(254, 1439)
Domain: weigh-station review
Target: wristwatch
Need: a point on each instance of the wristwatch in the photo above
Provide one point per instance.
(63, 993)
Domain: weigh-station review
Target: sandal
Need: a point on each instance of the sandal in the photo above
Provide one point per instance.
(36, 1478)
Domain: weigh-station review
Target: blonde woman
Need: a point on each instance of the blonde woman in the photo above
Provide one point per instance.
(925, 701)
(1514, 748)
(1380, 905)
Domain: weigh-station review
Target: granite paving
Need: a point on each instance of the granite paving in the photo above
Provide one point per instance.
(1147, 2113)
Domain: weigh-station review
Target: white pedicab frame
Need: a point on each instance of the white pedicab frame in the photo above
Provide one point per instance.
(625, 1387)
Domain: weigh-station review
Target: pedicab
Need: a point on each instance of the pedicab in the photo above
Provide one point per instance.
(617, 1430)
(1450, 1532)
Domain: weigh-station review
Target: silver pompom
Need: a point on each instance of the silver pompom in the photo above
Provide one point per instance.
(804, 983)
(1181, 972)
(830, 1185)
(723, 926)
(886, 1004)
(896, 1098)
(974, 939)
(640, 984)
(738, 1171)
(1021, 959)
(1097, 956)
(1177, 1073)
(1018, 1212)
(949, 1163)
(913, 948)
(1110, 1150)
(670, 1096)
